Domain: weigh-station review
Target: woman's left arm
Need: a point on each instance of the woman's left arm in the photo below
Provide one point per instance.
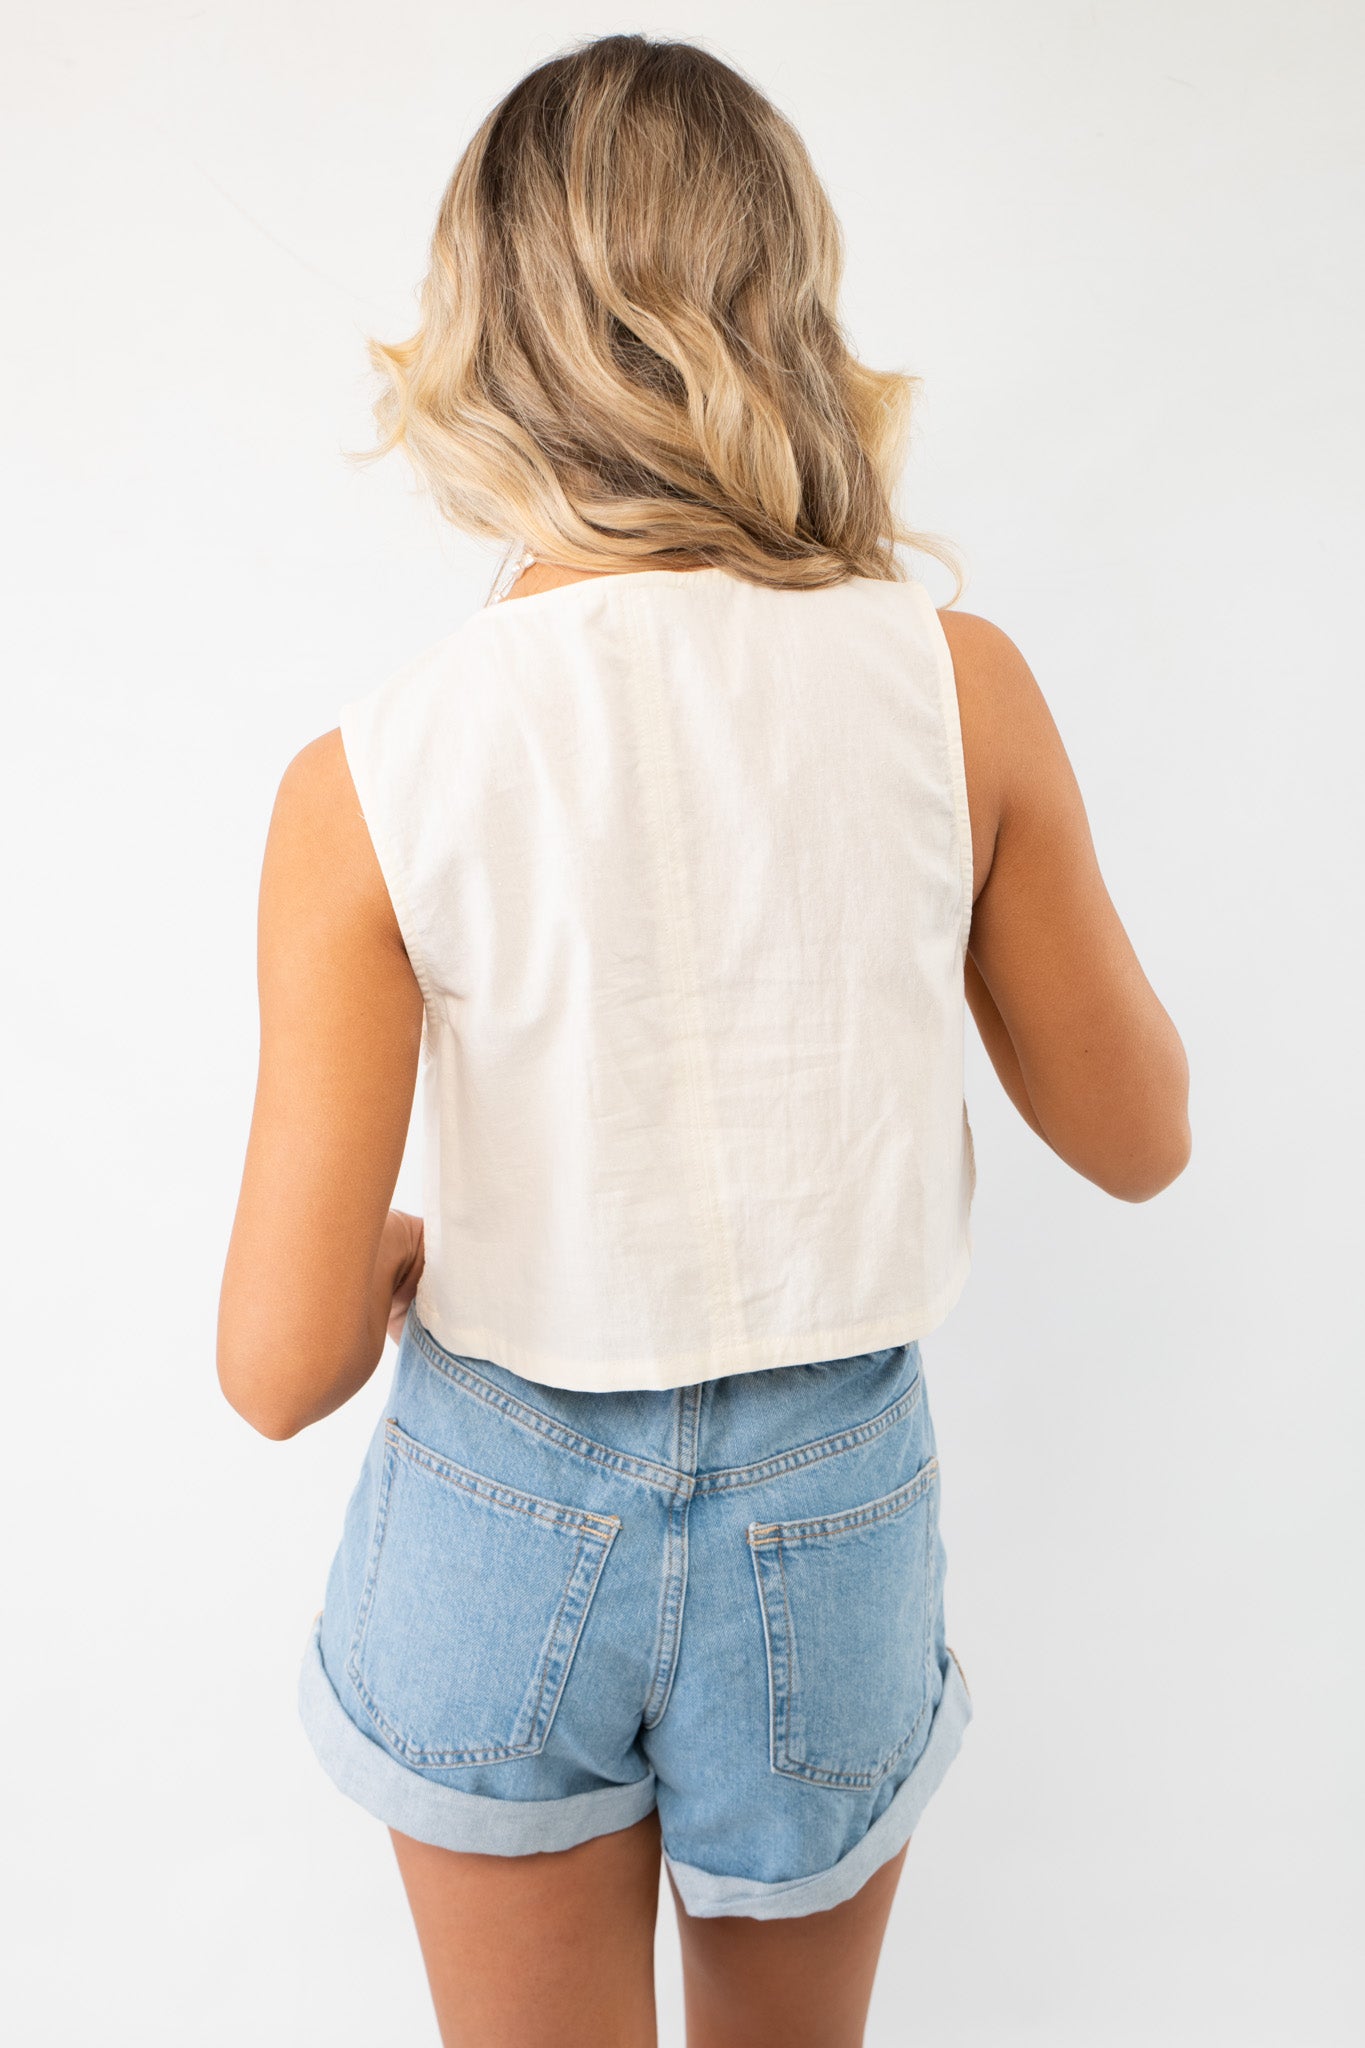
(318, 1261)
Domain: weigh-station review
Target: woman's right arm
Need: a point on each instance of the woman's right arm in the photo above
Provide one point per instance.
(1080, 1029)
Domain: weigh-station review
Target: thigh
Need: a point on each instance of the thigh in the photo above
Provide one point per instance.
(549, 1950)
(799, 1983)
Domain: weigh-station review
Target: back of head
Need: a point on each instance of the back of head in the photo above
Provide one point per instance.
(630, 350)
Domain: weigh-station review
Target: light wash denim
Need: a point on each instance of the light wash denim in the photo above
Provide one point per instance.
(553, 1610)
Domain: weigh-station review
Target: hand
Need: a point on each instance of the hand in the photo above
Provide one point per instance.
(402, 1252)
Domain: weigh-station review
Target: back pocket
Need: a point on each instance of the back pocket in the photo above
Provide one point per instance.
(847, 1603)
(474, 1599)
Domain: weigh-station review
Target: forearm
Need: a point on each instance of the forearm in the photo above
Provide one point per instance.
(392, 1267)
(999, 1045)
(284, 1373)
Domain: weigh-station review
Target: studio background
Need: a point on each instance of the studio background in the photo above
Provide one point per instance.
(1119, 244)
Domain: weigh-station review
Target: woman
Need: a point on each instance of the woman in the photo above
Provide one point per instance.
(672, 872)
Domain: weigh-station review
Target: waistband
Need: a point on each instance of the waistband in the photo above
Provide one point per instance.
(689, 1417)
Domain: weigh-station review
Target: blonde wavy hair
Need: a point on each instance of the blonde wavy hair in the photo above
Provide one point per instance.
(629, 349)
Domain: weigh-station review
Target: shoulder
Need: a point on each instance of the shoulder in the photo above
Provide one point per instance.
(316, 799)
(319, 852)
(1010, 744)
(1005, 719)
(986, 661)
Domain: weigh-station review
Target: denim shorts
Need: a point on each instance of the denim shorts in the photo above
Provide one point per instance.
(553, 1610)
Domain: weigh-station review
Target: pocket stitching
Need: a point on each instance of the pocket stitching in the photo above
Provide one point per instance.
(536, 1745)
(496, 1493)
(857, 1780)
(732, 1477)
(783, 1748)
(772, 1536)
(885, 1507)
(593, 1531)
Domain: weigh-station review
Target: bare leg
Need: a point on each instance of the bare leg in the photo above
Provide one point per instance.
(554, 1950)
(800, 1983)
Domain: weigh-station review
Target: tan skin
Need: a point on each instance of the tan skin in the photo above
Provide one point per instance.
(557, 1950)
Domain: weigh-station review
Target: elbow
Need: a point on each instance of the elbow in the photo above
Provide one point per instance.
(277, 1428)
(1160, 1162)
(1158, 1142)
(250, 1395)
(281, 1382)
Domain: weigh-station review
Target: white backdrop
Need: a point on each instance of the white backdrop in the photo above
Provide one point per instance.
(1118, 242)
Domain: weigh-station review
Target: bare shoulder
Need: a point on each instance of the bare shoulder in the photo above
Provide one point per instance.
(316, 810)
(1007, 731)
(986, 650)
(997, 690)
(317, 769)
(319, 851)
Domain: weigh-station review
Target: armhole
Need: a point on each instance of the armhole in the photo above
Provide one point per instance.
(356, 722)
(951, 710)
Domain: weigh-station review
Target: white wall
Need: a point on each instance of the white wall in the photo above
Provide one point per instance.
(1119, 243)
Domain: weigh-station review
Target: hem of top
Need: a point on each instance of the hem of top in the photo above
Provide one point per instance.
(442, 1815)
(708, 1896)
(847, 1340)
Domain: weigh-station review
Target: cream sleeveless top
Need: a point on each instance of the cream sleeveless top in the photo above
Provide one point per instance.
(683, 866)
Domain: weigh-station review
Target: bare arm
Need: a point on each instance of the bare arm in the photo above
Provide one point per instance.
(1075, 1030)
(999, 1045)
(316, 1253)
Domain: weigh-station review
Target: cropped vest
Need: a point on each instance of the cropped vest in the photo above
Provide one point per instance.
(683, 867)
